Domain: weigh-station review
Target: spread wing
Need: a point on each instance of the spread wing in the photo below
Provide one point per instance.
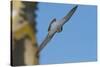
(46, 40)
(69, 15)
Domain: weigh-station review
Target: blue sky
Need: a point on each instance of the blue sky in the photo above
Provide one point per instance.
(77, 42)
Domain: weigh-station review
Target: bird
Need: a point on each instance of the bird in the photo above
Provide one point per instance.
(56, 27)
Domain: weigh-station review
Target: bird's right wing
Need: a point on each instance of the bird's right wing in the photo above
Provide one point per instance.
(46, 40)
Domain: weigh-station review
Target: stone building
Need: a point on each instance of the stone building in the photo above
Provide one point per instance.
(23, 33)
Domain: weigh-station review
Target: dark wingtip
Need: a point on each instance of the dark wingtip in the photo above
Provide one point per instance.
(75, 7)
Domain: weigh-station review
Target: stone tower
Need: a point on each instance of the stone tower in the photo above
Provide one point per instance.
(23, 33)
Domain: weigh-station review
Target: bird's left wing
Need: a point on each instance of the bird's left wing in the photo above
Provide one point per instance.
(69, 15)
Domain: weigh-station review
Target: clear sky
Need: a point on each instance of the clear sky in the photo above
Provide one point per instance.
(77, 42)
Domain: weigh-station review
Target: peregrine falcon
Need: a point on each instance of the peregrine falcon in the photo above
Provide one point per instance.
(56, 26)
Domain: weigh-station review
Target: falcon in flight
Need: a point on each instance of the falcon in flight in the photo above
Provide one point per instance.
(56, 27)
